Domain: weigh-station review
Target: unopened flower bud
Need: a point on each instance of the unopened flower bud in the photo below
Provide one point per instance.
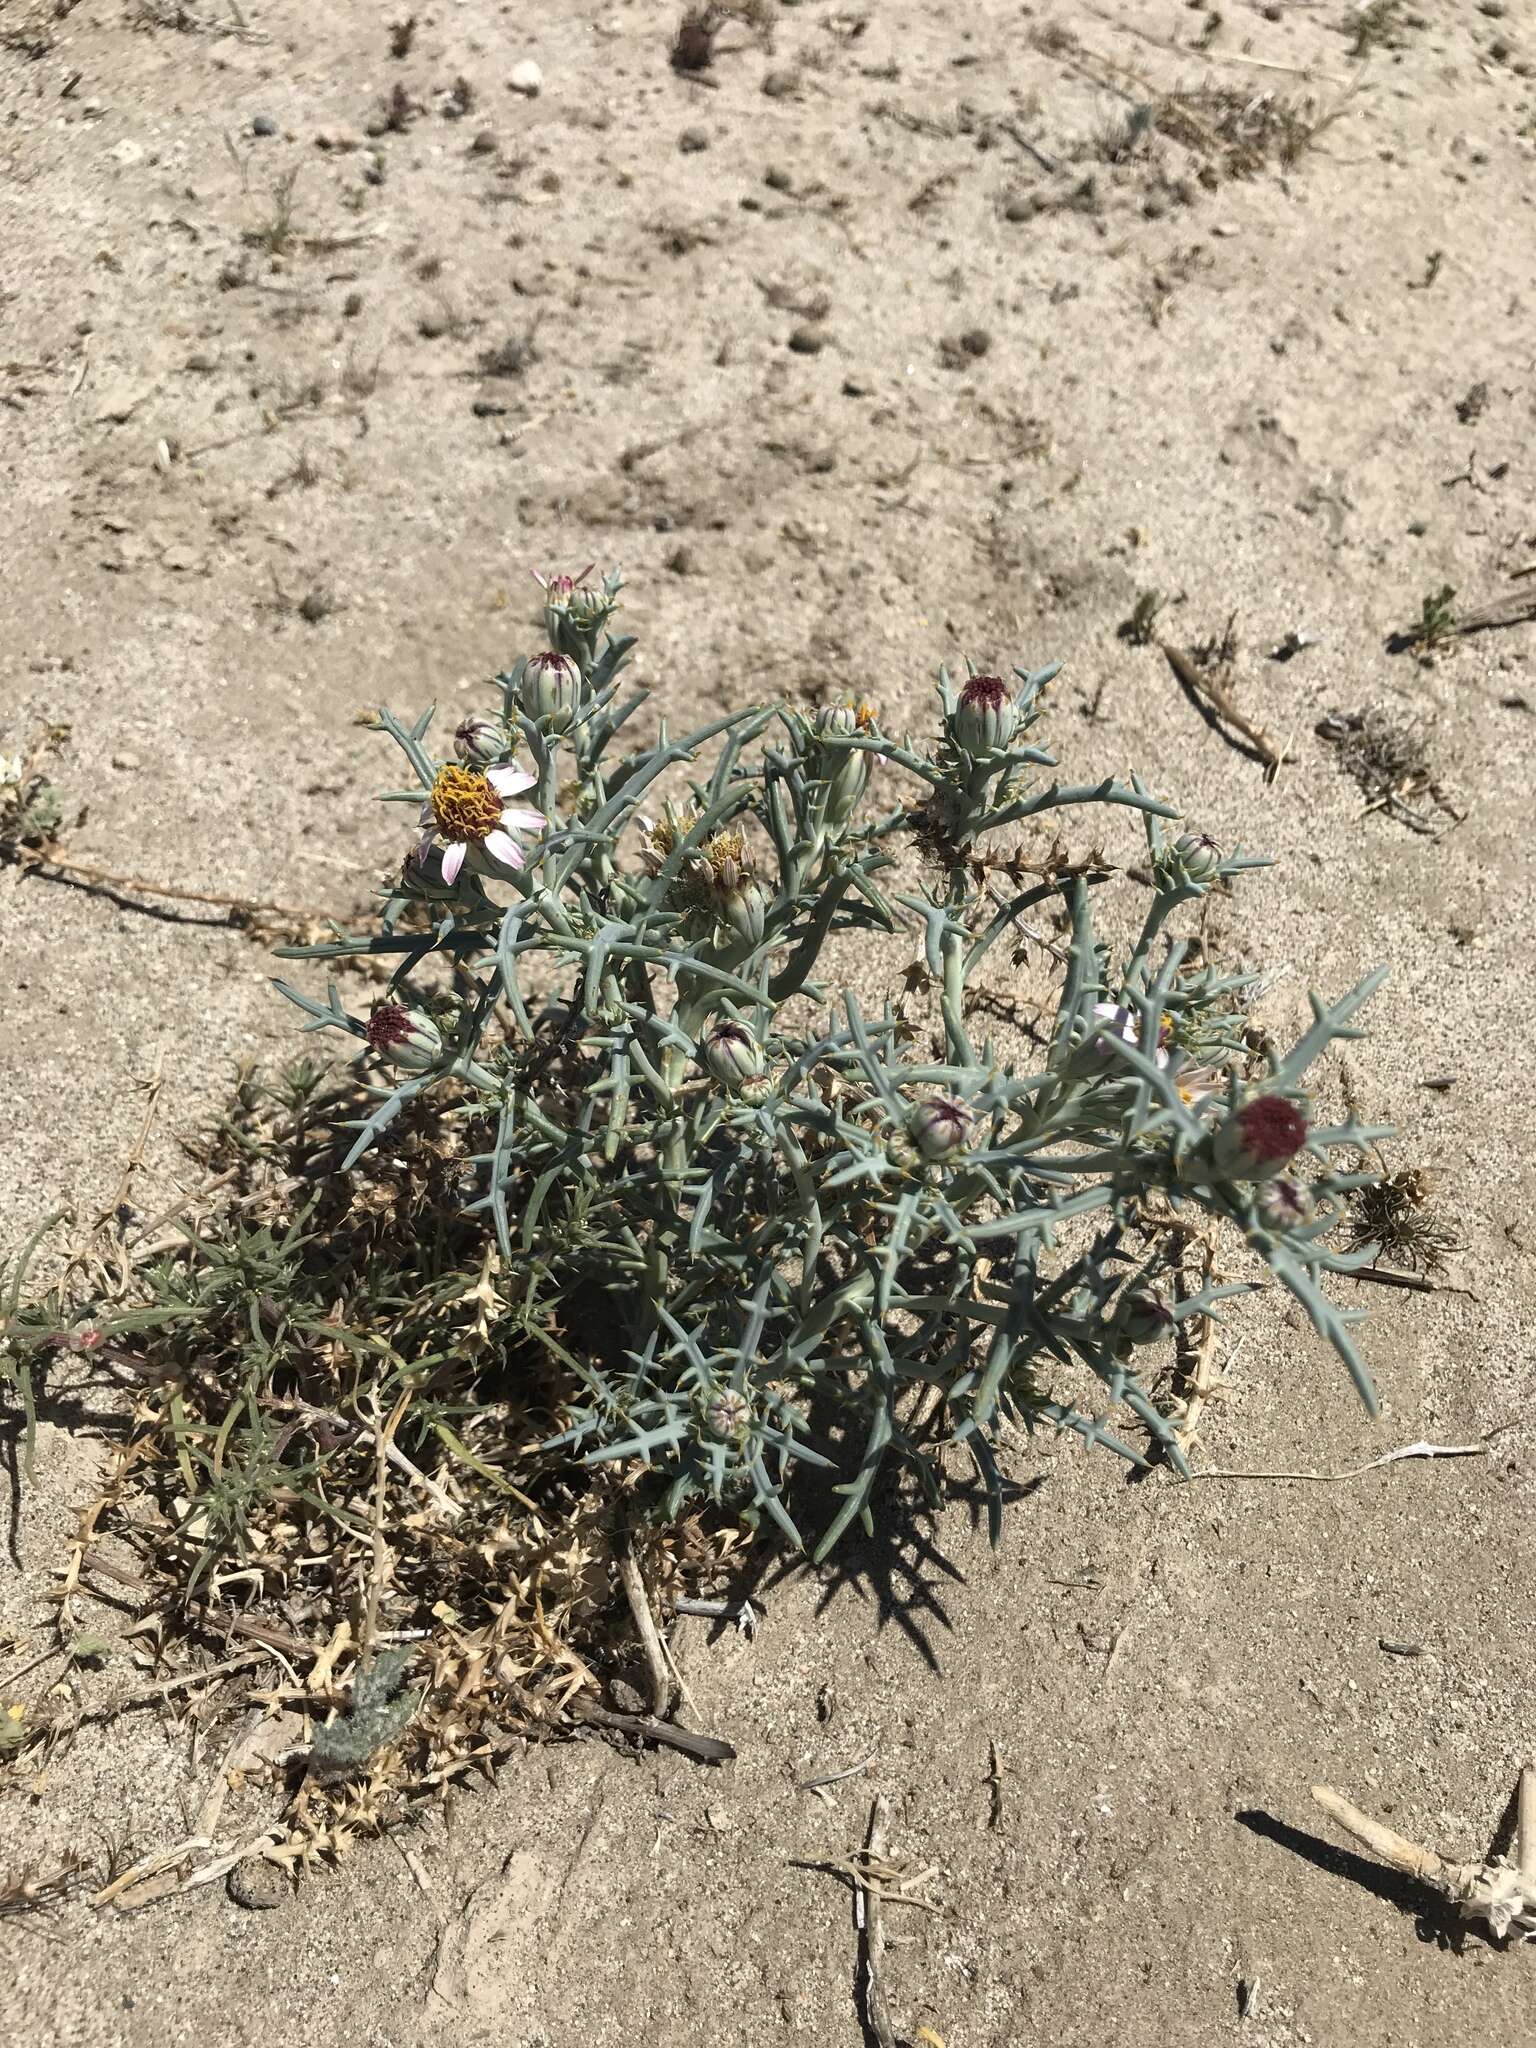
(729, 1051)
(742, 906)
(727, 1413)
(404, 1038)
(846, 769)
(838, 718)
(550, 691)
(986, 717)
(1190, 862)
(1144, 1316)
(574, 615)
(480, 742)
(940, 1127)
(1256, 1140)
(1285, 1204)
(421, 873)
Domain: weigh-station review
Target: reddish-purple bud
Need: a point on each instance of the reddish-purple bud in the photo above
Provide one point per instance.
(1257, 1139)
(406, 1038)
(986, 717)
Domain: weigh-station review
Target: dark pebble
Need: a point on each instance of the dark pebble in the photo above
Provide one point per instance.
(263, 124)
(484, 144)
(777, 180)
(808, 341)
(976, 341)
(692, 140)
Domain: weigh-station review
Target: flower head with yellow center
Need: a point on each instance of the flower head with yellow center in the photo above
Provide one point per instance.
(468, 807)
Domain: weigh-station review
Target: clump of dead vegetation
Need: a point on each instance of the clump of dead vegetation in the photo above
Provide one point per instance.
(693, 44)
(332, 1465)
(1397, 1215)
(1390, 754)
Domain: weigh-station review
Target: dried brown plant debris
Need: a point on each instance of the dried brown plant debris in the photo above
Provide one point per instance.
(339, 1449)
(1398, 1216)
(1390, 754)
(693, 44)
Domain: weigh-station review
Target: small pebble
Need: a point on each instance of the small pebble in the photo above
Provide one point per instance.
(777, 180)
(976, 341)
(263, 124)
(808, 340)
(127, 761)
(692, 140)
(779, 85)
(351, 305)
(484, 144)
(527, 79)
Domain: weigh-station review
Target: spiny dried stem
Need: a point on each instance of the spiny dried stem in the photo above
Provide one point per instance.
(1500, 1893)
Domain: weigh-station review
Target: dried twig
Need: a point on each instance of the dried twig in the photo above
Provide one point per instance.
(1415, 1283)
(1220, 699)
(877, 2011)
(1499, 1892)
(26, 1893)
(104, 878)
(1514, 608)
(217, 1617)
(1415, 1450)
(745, 1616)
(144, 1695)
(149, 1866)
(836, 1777)
(632, 1579)
(994, 1784)
(708, 1749)
(379, 1565)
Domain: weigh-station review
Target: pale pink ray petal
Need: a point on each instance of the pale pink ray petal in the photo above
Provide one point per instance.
(510, 781)
(453, 859)
(500, 847)
(518, 820)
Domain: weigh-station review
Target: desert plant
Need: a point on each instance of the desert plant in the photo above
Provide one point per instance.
(739, 1210)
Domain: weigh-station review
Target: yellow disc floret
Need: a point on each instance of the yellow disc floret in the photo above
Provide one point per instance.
(464, 803)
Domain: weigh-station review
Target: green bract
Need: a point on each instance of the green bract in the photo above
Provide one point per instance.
(739, 1208)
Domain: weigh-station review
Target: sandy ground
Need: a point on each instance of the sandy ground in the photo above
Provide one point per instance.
(739, 310)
